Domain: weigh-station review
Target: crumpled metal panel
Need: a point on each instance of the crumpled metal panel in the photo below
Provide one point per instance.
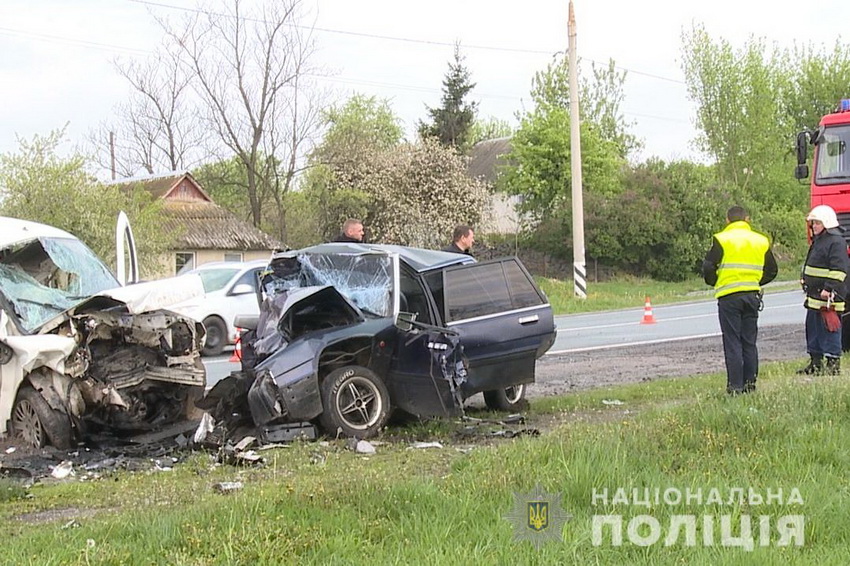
(279, 322)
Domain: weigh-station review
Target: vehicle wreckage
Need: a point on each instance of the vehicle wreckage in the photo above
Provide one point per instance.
(80, 353)
(349, 333)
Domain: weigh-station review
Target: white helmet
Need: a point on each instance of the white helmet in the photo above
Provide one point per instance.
(824, 214)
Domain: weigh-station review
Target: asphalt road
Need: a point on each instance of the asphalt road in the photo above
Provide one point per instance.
(680, 321)
(603, 330)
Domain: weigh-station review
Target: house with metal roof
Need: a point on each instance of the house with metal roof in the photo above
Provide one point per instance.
(204, 231)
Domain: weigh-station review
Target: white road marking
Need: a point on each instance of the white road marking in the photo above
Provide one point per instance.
(626, 344)
(657, 320)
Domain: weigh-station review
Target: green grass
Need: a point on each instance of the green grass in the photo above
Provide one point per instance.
(631, 292)
(322, 504)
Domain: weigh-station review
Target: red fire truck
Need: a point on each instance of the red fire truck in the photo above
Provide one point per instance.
(830, 172)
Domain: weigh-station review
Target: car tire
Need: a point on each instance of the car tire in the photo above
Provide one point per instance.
(356, 403)
(507, 399)
(216, 336)
(37, 424)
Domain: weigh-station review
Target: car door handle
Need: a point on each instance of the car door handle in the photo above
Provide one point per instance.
(528, 319)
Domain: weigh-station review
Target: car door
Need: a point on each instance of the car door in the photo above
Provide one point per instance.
(505, 322)
(423, 372)
(242, 298)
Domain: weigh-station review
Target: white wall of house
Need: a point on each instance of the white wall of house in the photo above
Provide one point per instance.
(168, 260)
(504, 216)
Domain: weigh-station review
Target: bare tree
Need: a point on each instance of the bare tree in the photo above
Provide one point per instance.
(156, 128)
(248, 68)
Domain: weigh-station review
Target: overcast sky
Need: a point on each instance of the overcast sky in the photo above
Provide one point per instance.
(55, 55)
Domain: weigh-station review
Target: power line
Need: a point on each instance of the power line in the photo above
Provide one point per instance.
(356, 33)
(408, 39)
(113, 47)
(396, 86)
(81, 42)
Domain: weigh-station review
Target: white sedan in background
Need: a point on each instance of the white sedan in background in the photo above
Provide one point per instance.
(230, 289)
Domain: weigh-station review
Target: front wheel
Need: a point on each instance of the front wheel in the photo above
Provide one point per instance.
(356, 403)
(507, 399)
(37, 424)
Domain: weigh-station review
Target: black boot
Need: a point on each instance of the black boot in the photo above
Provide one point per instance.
(833, 366)
(815, 366)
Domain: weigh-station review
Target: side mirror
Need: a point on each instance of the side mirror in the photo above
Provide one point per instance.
(242, 289)
(404, 321)
(802, 148)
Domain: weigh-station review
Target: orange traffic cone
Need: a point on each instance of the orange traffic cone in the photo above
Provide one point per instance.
(237, 350)
(648, 317)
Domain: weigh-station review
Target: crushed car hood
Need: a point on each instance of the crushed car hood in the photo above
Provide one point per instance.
(287, 315)
(140, 298)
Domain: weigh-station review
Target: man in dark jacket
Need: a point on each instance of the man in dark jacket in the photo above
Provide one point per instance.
(352, 231)
(823, 280)
(462, 239)
(739, 262)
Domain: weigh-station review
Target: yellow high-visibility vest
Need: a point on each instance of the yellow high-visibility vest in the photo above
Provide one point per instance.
(743, 259)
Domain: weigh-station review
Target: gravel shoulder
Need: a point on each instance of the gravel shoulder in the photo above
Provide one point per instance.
(557, 375)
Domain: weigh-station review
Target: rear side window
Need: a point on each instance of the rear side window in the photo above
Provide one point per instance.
(523, 292)
(490, 288)
(476, 290)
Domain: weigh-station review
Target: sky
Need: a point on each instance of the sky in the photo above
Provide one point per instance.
(56, 56)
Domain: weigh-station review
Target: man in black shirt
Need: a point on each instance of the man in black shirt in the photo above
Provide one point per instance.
(462, 240)
(352, 231)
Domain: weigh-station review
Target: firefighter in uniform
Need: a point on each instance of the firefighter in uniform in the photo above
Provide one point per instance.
(823, 281)
(739, 262)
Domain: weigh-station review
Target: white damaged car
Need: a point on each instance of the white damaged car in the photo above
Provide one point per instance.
(80, 353)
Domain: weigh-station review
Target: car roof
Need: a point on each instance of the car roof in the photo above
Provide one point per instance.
(419, 259)
(14, 230)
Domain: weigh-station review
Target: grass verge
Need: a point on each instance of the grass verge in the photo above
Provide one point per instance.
(322, 504)
(630, 292)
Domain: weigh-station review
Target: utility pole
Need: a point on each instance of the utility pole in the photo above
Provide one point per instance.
(579, 271)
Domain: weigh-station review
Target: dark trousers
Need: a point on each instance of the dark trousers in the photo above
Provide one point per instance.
(819, 340)
(739, 314)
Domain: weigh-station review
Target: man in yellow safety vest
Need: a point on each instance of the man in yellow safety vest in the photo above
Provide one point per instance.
(739, 262)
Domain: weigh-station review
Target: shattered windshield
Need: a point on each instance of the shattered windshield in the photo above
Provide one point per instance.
(43, 277)
(364, 279)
